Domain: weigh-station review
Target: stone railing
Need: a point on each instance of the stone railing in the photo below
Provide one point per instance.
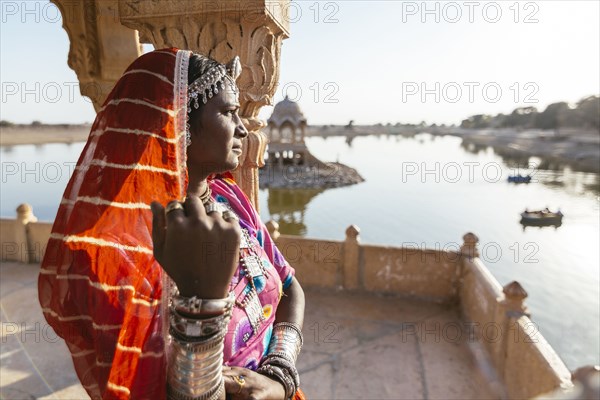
(23, 239)
(510, 352)
(513, 356)
(522, 362)
(427, 274)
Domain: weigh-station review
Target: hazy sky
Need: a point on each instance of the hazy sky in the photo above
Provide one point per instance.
(370, 61)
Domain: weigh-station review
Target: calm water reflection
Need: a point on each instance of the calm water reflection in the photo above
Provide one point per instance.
(288, 208)
(422, 191)
(427, 191)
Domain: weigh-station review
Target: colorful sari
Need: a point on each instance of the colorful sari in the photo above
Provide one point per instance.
(100, 287)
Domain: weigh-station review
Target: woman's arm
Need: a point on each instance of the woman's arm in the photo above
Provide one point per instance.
(290, 309)
(200, 313)
(291, 306)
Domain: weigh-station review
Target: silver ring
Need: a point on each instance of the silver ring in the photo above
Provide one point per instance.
(173, 206)
(228, 214)
(213, 207)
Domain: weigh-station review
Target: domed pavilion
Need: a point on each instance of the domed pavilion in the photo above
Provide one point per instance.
(286, 133)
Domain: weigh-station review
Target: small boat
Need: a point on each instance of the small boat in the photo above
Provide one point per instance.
(543, 217)
(519, 178)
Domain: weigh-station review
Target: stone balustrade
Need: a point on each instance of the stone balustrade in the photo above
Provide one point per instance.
(507, 347)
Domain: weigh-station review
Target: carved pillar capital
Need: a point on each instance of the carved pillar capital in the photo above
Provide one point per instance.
(222, 29)
(100, 47)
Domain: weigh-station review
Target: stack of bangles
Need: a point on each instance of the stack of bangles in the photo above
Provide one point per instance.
(197, 329)
(280, 362)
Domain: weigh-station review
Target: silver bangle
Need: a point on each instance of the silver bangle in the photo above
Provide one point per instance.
(213, 394)
(286, 341)
(193, 386)
(197, 345)
(195, 368)
(193, 329)
(196, 350)
(188, 365)
(202, 307)
(292, 326)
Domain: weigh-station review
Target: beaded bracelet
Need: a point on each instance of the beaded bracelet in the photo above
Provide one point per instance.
(280, 361)
(280, 376)
(286, 365)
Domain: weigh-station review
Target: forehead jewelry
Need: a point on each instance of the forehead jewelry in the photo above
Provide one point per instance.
(207, 85)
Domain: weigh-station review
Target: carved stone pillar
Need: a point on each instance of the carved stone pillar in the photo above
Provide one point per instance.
(222, 29)
(101, 48)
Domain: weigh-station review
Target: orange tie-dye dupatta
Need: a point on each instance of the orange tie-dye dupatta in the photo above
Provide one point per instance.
(100, 288)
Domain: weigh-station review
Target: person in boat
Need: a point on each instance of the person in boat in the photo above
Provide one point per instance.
(159, 273)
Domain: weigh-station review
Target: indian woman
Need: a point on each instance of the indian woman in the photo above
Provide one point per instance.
(159, 273)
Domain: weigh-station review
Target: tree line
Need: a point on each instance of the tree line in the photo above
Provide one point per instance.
(585, 114)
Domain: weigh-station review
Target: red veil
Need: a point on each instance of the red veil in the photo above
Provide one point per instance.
(100, 287)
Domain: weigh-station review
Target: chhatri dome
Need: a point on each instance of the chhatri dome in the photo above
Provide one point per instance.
(287, 111)
(287, 123)
(286, 135)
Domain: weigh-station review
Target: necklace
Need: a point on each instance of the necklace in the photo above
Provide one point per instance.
(205, 197)
(253, 268)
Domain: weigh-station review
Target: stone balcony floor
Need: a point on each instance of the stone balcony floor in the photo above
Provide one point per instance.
(355, 347)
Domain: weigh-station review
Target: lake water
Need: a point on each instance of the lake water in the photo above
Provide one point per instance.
(422, 191)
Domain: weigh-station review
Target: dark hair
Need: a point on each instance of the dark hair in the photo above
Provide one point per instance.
(199, 64)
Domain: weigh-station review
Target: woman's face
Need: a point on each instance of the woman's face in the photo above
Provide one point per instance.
(217, 132)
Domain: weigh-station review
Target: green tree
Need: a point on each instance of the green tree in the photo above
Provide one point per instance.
(522, 117)
(588, 110)
(551, 117)
(479, 121)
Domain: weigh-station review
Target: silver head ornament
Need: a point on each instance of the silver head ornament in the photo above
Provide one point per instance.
(207, 85)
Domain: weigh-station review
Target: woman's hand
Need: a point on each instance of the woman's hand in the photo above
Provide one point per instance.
(255, 386)
(199, 251)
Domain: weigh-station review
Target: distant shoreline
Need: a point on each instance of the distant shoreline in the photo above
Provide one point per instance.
(576, 148)
(42, 134)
